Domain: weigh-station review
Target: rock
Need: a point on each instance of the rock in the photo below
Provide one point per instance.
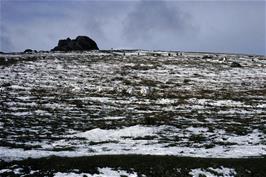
(43, 51)
(223, 58)
(3, 60)
(236, 65)
(6, 84)
(81, 43)
(207, 56)
(30, 51)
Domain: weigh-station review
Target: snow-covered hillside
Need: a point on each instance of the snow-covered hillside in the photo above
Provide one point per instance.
(132, 102)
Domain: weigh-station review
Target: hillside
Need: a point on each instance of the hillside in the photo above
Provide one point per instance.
(141, 106)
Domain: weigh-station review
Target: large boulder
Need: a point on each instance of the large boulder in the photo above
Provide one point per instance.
(30, 51)
(235, 65)
(81, 43)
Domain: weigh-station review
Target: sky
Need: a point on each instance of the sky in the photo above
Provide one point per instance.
(233, 26)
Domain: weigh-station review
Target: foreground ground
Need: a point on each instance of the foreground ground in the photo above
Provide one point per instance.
(135, 165)
(132, 102)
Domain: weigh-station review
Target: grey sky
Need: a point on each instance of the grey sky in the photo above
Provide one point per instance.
(215, 26)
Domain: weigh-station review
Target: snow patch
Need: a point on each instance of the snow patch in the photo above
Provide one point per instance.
(104, 172)
(213, 172)
(98, 134)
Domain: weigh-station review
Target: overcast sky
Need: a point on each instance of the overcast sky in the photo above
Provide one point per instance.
(217, 26)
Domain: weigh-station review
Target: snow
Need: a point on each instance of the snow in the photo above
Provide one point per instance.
(135, 140)
(113, 117)
(42, 113)
(197, 130)
(213, 172)
(16, 171)
(144, 91)
(59, 67)
(21, 113)
(103, 172)
(254, 138)
(99, 135)
(5, 171)
(72, 174)
(68, 111)
(166, 101)
(217, 103)
(261, 106)
(112, 173)
(18, 87)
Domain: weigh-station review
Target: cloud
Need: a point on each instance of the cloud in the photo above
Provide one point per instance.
(237, 27)
(166, 25)
(39, 25)
(155, 22)
(5, 43)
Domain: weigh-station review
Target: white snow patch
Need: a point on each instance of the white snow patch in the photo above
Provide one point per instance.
(104, 172)
(136, 140)
(98, 134)
(21, 113)
(261, 106)
(42, 113)
(59, 67)
(212, 172)
(112, 173)
(5, 171)
(251, 138)
(18, 87)
(72, 174)
(99, 99)
(165, 101)
(217, 103)
(197, 130)
(113, 118)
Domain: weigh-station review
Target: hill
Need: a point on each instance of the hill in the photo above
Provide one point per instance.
(76, 105)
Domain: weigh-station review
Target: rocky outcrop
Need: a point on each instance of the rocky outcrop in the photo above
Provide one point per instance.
(207, 56)
(81, 43)
(235, 65)
(30, 51)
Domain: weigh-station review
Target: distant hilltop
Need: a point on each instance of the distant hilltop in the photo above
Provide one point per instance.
(81, 43)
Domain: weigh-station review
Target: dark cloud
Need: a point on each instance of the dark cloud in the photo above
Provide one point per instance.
(151, 20)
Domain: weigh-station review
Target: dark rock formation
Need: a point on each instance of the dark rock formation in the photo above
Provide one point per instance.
(207, 56)
(30, 51)
(81, 43)
(236, 65)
